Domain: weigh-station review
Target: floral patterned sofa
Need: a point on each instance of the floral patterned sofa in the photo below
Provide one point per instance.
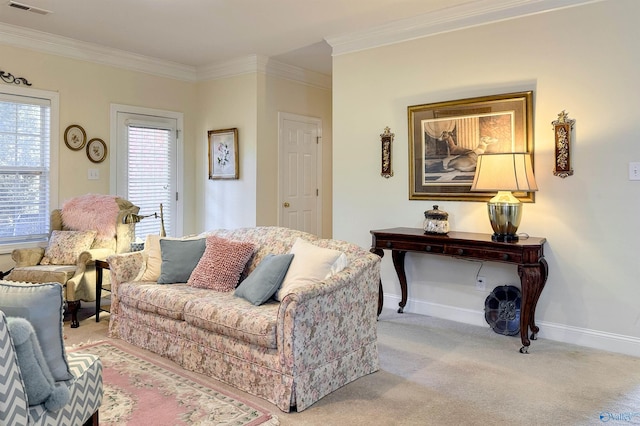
(318, 338)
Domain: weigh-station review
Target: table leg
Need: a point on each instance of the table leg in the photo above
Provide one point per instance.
(380, 253)
(532, 279)
(398, 264)
(98, 290)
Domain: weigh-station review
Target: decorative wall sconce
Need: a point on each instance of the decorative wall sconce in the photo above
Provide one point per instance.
(386, 140)
(562, 128)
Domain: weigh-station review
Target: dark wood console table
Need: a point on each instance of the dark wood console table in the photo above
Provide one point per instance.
(100, 266)
(527, 253)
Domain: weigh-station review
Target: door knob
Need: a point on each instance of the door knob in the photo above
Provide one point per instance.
(286, 204)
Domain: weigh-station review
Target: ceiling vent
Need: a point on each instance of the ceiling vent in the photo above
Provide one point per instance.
(28, 8)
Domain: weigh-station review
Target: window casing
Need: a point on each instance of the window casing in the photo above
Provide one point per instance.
(146, 164)
(28, 165)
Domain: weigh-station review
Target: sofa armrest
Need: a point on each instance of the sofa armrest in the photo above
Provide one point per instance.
(323, 322)
(15, 406)
(91, 255)
(73, 291)
(126, 266)
(27, 257)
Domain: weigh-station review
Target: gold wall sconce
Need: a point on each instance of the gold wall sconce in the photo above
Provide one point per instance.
(386, 140)
(562, 128)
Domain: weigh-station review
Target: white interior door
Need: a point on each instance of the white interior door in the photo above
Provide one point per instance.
(300, 173)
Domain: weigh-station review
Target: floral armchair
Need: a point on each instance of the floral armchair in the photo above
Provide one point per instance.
(87, 228)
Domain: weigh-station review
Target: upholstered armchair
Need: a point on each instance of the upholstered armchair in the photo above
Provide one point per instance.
(87, 228)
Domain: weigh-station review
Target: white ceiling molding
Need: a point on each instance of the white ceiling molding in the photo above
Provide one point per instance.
(300, 75)
(70, 48)
(466, 15)
(261, 64)
(224, 69)
(62, 46)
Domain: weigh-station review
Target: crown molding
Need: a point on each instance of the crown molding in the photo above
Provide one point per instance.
(300, 75)
(262, 64)
(70, 48)
(466, 15)
(62, 46)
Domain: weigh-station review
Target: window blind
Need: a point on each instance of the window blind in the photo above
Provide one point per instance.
(150, 175)
(24, 168)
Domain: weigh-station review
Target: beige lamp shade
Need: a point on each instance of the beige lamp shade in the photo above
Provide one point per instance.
(504, 172)
(511, 171)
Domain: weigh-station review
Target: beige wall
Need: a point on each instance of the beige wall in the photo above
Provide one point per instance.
(86, 92)
(584, 60)
(281, 95)
(222, 104)
(250, 102)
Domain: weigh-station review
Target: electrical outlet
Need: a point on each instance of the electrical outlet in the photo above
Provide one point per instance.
(481, 283)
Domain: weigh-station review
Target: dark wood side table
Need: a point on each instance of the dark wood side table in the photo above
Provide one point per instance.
(100, 266)
(527, 253)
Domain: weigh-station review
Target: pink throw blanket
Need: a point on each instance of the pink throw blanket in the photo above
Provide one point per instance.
(92, 212)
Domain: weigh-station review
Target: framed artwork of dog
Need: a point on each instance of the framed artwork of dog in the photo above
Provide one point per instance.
(445, 139)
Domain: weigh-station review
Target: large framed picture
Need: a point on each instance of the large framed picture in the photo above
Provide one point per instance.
(223, 154)
(445, 139)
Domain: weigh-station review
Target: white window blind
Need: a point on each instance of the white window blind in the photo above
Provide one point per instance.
(151, 175)
(25, 168)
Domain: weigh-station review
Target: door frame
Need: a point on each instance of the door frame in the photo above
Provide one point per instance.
(319, 172)
(113, 162)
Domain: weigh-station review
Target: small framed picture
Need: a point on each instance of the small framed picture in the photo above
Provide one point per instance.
(223, 154)
(96, 150)
(75, 137)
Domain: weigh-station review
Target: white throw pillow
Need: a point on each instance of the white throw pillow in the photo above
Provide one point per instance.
(310, 264)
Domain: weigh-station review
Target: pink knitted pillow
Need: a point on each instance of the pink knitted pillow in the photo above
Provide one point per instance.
(221, 264)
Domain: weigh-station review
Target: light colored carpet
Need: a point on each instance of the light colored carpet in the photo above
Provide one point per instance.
(438, 372)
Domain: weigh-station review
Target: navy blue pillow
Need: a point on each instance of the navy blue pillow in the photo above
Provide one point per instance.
(265, 280)
(179, 259)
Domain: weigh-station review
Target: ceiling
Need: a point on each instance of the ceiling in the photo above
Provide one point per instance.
(201, 32)
(198, 33)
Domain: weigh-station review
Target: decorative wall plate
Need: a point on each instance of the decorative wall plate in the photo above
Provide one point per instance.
(96, 150)
(75, 137)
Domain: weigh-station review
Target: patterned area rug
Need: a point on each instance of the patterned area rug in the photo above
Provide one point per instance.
(142, 391)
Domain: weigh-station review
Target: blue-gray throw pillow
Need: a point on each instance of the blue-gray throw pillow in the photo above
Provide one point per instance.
(37, 378)
(265, 280)
(179, 258)
(41, 305)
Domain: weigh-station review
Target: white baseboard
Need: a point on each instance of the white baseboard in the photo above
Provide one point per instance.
(611, 342)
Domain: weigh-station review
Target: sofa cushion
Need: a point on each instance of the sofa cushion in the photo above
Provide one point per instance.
(265, 280)
(42, 306)
(225, 314)
(311, 264)
(43, 273)
(65, 247)
(179, 258)
(153, 256)
(221, 264)
(165, 300)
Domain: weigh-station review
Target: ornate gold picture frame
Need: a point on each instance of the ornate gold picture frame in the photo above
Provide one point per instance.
(445, 139)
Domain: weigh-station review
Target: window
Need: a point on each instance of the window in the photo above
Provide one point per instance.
(150, 174)
(147, 169)
(28, 165)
